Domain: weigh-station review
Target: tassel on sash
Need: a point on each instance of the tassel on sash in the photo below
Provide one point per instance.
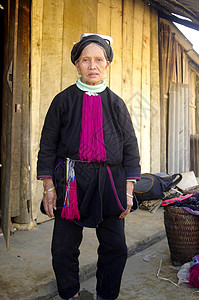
(70, 209)
(92, 146)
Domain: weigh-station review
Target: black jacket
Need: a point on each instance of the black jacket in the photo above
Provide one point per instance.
(99, 185)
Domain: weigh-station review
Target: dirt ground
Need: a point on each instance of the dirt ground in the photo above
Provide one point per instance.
(26, 270)
(140, 279)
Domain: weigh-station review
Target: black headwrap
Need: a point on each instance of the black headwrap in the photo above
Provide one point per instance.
(85, 41)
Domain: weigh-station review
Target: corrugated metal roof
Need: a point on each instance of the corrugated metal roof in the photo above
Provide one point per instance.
(185, 8)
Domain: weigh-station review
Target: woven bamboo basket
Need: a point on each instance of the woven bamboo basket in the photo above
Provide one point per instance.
(182, 230)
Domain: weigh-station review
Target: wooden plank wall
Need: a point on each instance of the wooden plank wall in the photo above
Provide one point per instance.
(175, 68)
(134, 73)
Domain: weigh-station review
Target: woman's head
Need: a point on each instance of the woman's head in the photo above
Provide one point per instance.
(91, 56)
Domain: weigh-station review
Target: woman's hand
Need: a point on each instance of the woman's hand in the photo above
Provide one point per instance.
(129, 190)
(49, 198)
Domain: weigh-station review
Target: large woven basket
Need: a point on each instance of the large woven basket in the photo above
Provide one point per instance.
(182, 230)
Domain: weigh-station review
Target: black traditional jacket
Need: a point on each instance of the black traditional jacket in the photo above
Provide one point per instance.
(101, 187)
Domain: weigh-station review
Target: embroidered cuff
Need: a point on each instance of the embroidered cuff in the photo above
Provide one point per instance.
(136, 178)
(43, 177)
(44, 174)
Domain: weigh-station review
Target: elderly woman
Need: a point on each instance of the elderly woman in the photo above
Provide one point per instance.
(89, 161)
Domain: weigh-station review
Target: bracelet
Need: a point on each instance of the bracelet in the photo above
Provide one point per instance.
(131, 196)
(51, 189)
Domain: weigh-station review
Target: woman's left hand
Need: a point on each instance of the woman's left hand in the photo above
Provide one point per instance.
(129, 190)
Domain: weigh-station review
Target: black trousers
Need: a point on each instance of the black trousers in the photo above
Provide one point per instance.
(112, 255)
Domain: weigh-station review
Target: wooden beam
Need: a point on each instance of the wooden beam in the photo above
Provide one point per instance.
(173, 18)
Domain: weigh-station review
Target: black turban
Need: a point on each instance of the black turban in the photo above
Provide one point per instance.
(85, 41)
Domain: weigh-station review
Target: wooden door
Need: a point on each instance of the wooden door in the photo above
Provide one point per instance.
(15, 180)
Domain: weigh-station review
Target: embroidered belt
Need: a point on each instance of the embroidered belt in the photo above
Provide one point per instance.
(70, 202)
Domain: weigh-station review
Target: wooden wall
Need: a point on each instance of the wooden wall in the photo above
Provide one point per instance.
(134, 73)
(175, 58)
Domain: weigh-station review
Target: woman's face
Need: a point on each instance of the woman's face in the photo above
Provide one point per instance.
(92, 64)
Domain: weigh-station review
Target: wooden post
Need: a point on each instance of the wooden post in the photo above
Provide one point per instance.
(197, 105)
(22, 118)
(154, 96)
(162, 101)
(35, 94)
(146, 101)
(8, 122)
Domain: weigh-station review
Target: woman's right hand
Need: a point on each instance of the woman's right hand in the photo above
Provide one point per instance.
(50, 197)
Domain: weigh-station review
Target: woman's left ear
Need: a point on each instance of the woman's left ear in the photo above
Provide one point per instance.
(107, 64)
(77, 66)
